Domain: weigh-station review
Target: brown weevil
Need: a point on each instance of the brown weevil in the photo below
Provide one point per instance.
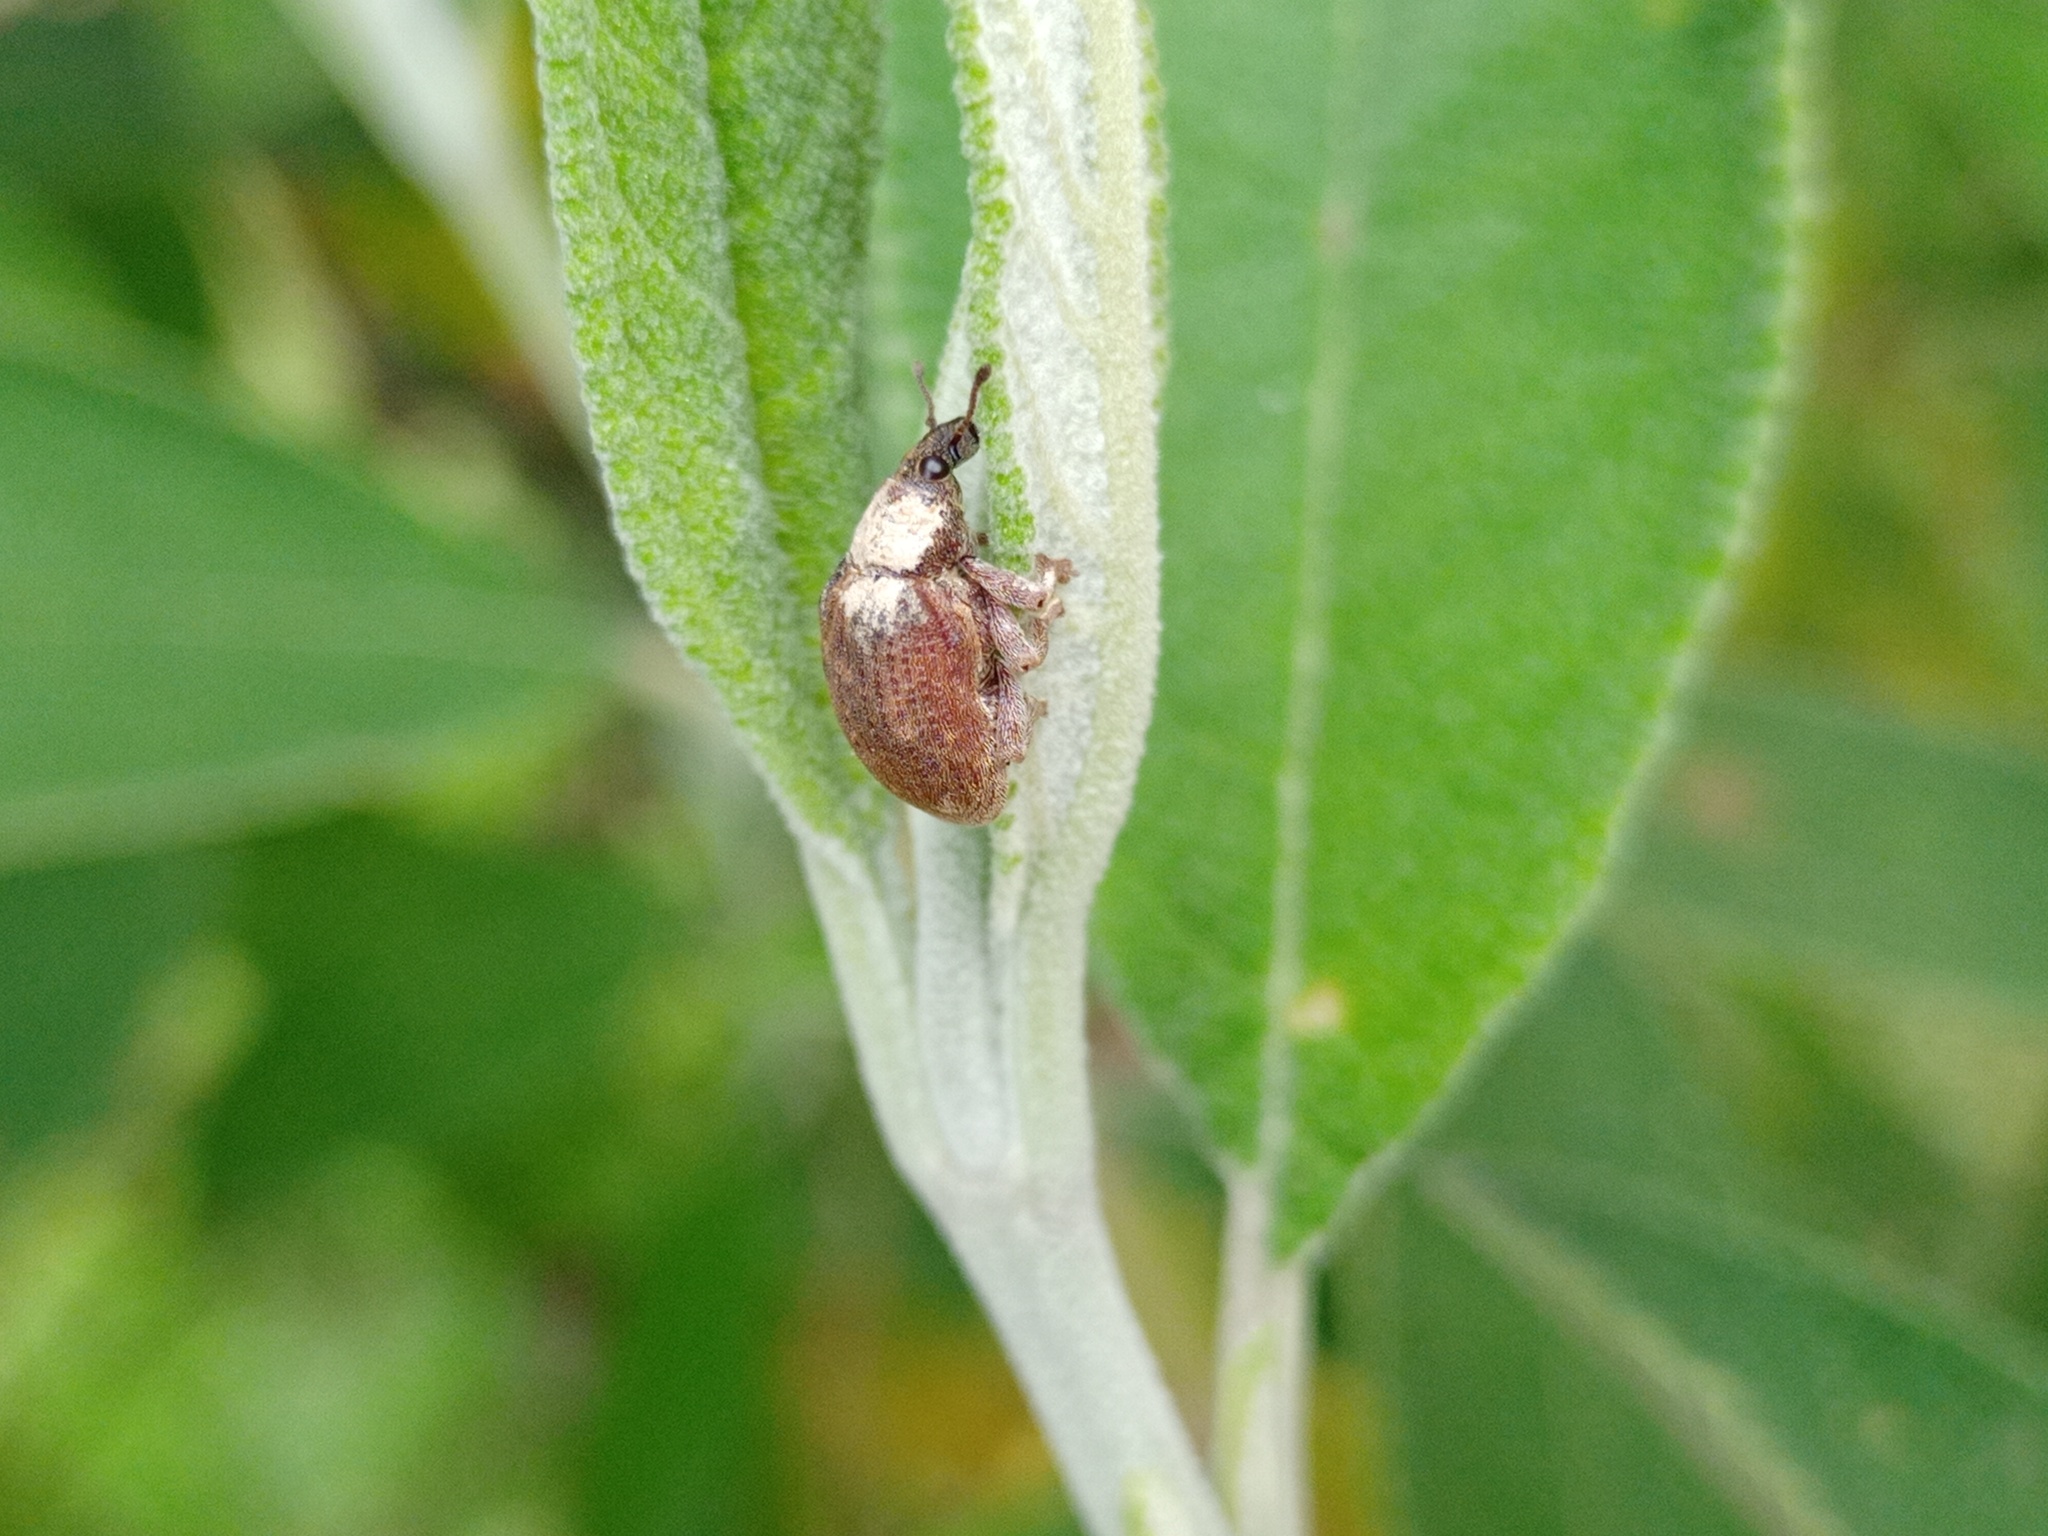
(923, 654)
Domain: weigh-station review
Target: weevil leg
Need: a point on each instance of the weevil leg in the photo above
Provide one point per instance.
(1007, 587)
(1015, 713)
(1021, 650)
(1062, 570)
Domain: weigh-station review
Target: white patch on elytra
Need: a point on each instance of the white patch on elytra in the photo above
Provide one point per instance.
(896, 530)
(875, 602)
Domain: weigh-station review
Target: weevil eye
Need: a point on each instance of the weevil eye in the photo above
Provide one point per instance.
(933, 468)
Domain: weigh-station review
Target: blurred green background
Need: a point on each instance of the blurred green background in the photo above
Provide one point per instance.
(422, 1100)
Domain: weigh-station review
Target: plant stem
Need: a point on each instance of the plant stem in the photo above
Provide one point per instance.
(978, 1076)
(1262, 1369)
(1049, 1279)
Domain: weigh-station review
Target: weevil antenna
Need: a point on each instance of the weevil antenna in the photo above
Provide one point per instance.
(974, 395)
(931, 412)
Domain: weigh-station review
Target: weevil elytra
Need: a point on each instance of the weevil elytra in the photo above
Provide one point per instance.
(923, 654)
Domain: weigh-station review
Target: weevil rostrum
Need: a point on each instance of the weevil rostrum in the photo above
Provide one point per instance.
(924, 655)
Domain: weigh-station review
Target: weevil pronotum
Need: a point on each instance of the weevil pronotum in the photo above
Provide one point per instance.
(923, 654)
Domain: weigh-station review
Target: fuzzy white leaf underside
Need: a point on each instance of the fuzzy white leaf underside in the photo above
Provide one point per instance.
(1060, 297)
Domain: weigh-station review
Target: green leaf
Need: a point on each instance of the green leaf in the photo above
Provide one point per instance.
(710, 169)
(1671, 1258)
(93, 118)
(1845, 913)
(1804, 1392)
(1493, 1423)
(1589, 1305)
(200, 630)
(1476, 317)
(685, 1432)
(43, 267)
(1965, 87)
(79, 949)
(920, 226)
(466, 1005)
(1810, 830)
(360, 1357)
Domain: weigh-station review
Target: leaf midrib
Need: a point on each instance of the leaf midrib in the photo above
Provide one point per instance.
(1340, 231)
(1703, 1405)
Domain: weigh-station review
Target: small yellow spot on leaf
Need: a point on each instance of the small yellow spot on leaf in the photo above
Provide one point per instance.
(1319, 1010)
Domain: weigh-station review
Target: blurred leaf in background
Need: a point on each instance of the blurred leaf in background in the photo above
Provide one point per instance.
(1909, 559)
(78, 948)
(202, 631)
(93, 125)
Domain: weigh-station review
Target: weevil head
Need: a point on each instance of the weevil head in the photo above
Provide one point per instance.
(946, 445)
